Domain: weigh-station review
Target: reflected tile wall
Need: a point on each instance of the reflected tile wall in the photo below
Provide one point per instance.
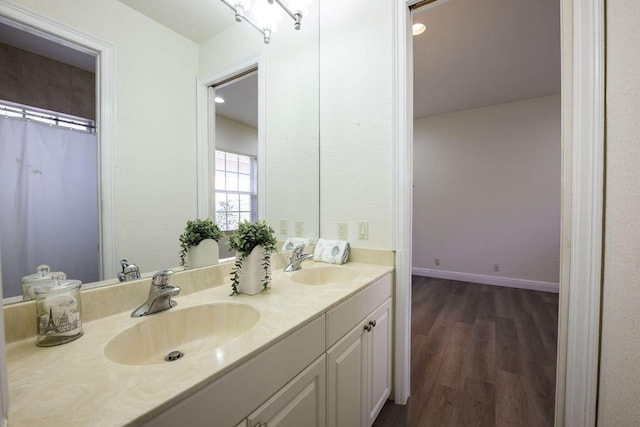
(36, 81)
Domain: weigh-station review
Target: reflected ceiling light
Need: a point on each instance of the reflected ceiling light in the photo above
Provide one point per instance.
(219, 100)
(418, 28)
(263, 15)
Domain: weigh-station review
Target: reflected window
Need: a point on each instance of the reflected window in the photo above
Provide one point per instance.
(236, 189)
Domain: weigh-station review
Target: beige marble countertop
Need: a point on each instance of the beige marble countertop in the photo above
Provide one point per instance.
(75, 384)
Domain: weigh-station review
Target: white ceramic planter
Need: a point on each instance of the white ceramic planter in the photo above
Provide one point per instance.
(251, 275)
(204, 254)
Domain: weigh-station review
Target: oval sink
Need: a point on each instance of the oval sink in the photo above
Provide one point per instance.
(324, 275)
(190, 330)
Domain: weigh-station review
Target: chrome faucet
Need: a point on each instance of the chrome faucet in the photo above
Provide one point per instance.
(296, 258)
(129, 271)
(160, 295)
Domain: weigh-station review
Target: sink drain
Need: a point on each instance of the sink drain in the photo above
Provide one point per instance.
(174, 355)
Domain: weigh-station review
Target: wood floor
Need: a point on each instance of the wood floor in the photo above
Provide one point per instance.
(481, 355)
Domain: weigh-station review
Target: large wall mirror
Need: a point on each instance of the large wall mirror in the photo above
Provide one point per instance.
(161, 148)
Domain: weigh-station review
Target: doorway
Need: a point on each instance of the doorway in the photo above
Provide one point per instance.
(240, 137)
(479, 157)
(50, 182)
(103, 55)
(582, 198)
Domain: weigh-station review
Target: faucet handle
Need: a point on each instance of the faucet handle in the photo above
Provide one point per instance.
(298, 249)
(161, 278)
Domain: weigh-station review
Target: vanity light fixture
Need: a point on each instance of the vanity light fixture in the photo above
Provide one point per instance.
(418, 28)
(263, 15)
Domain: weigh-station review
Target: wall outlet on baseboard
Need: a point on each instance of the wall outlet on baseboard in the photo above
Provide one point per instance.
(436, 261)
(496, 267)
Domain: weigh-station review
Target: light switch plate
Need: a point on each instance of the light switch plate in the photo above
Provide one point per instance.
(363, 230)
(342, 231)
(284, 227)
(299, 228)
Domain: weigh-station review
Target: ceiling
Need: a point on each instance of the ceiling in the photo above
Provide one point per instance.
(240, 100)
(24, 40)
(474, 52)
(484, 52)
(197, 20)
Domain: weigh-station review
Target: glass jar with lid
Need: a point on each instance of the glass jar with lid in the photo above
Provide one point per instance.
(59, 311)
(43, 275)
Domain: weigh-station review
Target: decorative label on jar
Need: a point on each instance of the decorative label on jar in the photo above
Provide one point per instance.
(59, 312)
(59, 316)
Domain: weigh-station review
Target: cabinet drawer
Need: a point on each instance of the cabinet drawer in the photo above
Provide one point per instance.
(342, 318)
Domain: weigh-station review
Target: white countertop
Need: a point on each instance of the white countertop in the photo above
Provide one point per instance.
(75, 384)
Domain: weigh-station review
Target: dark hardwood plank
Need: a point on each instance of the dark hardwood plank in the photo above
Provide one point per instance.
(481, 355)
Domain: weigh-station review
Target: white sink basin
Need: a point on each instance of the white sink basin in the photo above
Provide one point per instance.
(324, 275)
(190, 330)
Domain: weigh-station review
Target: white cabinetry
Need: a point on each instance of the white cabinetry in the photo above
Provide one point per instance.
(294, 383)
(300, 403)
(378, 345)
(359, 364)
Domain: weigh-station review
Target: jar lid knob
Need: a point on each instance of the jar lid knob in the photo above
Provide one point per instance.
(43, 269)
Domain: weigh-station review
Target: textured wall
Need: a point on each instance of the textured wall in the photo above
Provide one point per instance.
(356, 113)
(34, 80)
(620, 355)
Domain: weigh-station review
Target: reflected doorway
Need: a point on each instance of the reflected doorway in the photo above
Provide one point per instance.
(234, 151)
(50, 184)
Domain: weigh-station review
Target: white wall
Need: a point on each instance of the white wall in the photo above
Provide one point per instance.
(356, 133)
(235, 136)
(487, 190)
(620, 352)
(155, 152)
(290, 69)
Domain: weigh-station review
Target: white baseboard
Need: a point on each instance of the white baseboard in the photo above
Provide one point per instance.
(509, 282)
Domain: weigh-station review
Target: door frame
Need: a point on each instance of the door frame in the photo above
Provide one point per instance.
(206, 130)
(105, 124)
(105, 85)
(583, 118)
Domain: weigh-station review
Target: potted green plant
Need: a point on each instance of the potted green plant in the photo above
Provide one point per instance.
(199, 243)
(254, 242)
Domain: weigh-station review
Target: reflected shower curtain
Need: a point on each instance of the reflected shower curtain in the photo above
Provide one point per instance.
(48, 202)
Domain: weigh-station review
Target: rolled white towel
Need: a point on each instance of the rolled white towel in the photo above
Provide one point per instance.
(331, 251)
(292, 242)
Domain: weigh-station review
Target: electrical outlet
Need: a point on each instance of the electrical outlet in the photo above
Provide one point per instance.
(363, 230)
(436, 261)
(496, 267)
(284, 227)
(299, 228)
(342, 231)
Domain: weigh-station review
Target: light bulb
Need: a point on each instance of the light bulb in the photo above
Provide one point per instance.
(267, 15)
(418, 28)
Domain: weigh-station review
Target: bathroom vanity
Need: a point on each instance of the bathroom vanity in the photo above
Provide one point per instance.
(313, 350)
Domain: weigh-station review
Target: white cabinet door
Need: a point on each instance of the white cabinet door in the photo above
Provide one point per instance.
(379, 360)
(359, 371)
(346, 382)
(299, 403)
